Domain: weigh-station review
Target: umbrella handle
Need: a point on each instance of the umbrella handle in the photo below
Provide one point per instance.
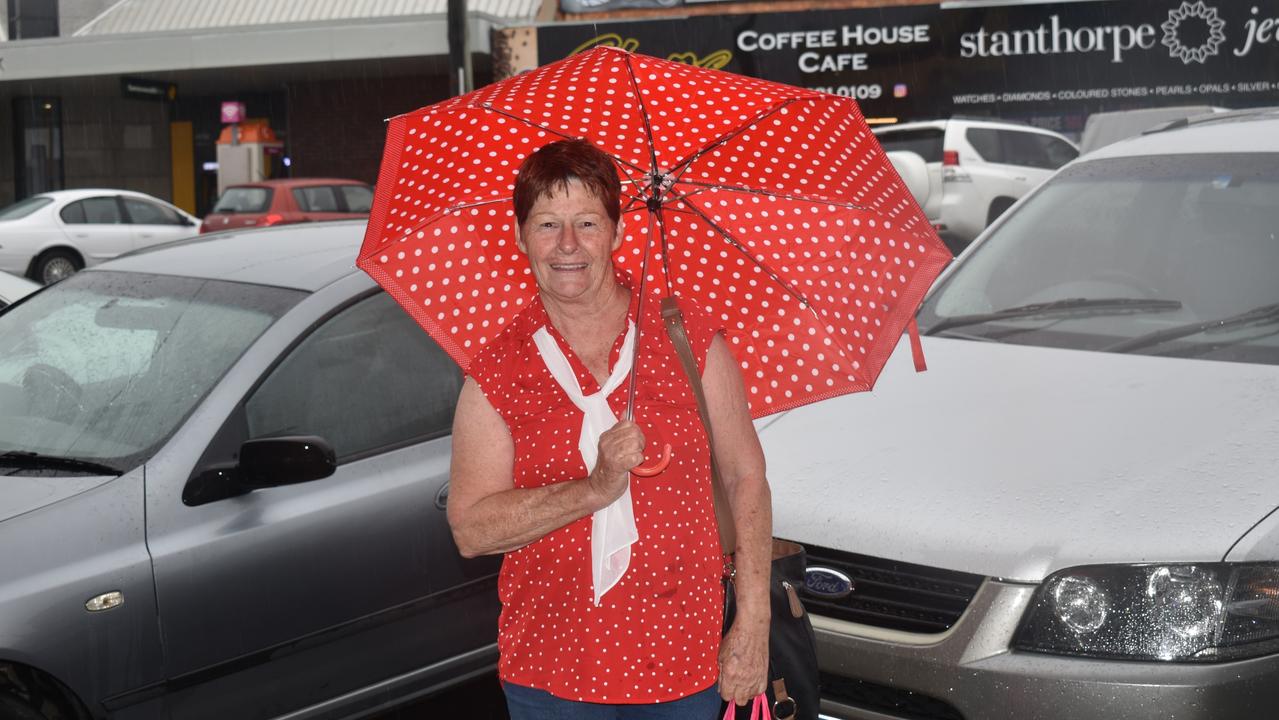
(658, 466)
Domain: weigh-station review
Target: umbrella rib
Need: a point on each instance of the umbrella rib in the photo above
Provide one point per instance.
(648, 126)
(732, 240)
(683, 165)
(769, 193)
(563, 135)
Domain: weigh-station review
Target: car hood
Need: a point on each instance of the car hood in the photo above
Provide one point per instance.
(1014, 461)
(21, 494)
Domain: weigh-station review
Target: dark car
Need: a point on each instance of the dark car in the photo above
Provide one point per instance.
(226, 471)
(293, 200)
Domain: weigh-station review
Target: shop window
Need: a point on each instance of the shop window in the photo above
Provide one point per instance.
(32, 19)
(37, 140)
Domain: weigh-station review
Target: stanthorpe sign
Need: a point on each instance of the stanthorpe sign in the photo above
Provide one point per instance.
(1050, 63)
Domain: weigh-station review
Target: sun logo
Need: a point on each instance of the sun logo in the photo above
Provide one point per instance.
(1212, 30)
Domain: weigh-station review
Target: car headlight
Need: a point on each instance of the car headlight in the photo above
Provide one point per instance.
(1189, 613)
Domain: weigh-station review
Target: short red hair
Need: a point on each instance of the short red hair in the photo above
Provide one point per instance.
(548, 169)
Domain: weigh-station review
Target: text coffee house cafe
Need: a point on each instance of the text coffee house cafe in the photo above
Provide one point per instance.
(1048, 64)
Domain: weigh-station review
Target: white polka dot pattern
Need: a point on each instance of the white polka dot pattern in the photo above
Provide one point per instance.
(782, 215)
(655, 635)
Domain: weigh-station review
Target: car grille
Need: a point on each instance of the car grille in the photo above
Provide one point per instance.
(885, 700)
(891, 594)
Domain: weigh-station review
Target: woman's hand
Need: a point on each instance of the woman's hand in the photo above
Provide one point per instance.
(743, 661)
(621, 448)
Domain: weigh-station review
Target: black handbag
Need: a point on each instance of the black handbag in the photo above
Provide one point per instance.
(793, 692)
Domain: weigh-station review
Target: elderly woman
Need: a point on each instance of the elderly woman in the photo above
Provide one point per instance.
(638, 633)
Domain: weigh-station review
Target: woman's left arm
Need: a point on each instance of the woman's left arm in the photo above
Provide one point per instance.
(743, 657)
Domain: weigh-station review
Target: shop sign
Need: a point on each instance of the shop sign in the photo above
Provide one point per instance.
(1028, 61)
(143, 89)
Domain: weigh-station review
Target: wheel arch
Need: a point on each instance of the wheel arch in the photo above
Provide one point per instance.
(36, 258)
(27, 682)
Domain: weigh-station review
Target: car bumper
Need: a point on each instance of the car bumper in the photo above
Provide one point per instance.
(969, 672)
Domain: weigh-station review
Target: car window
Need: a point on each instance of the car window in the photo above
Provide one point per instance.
(23, 208)
(1056, 152)
(359, 198)
(319, 198)
(926, 142)
(145, 212)
(368, 378)
(243, 200)
(93, 211)
(986, 141)
(106, 365)
(1027, 149)
(1195, 229)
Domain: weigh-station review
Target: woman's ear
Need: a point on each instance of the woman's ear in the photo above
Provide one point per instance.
(619, 234)
(519, 239)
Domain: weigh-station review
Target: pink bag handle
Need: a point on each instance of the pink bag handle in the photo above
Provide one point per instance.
(759, 709)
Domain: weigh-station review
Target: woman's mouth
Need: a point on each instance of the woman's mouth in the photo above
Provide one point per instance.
(568, 267)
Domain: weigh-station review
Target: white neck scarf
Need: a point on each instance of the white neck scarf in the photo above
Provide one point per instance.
(613, 527)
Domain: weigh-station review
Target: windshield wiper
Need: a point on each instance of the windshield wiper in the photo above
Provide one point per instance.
(1068, 306)
(1257, 315)
(35, 461)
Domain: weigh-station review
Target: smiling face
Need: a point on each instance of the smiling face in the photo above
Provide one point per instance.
(570, 240)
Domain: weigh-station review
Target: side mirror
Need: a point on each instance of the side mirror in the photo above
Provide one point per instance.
(271, 462)
(914, 172)
(264, 463)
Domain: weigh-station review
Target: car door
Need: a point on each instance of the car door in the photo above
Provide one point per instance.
(153, 223)
(97, 228)
(288, 597)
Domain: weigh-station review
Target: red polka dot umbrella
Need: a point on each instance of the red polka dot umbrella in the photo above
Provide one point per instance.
(770, 206)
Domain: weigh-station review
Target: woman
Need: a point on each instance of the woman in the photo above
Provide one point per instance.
(635, 632)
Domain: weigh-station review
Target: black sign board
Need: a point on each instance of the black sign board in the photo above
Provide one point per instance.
(143, 89)
(1051, 64)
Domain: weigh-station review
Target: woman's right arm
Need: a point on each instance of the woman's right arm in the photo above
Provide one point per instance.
(488, 514)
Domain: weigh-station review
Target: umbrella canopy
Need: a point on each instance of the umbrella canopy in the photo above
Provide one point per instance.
(771, 207)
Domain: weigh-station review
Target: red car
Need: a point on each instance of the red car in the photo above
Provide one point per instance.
(294, 200)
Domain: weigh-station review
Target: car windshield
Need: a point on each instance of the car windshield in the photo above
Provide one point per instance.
(23, 208)
(104, 366)
(243, 200)
(1163, 255)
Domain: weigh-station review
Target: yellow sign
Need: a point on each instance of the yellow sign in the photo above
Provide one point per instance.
(714, 60)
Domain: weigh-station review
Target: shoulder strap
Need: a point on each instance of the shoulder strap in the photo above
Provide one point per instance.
(674, 320)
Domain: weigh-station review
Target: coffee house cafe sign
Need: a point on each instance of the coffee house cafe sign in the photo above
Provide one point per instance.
(1021, 61)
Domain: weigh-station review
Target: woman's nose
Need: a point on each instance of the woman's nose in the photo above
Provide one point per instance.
(567, 243)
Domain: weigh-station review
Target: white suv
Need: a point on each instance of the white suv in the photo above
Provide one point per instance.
(977, 168)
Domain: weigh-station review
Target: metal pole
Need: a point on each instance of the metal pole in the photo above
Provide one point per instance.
(459, 65)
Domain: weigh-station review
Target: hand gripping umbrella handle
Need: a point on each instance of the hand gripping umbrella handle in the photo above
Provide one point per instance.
(657, 466)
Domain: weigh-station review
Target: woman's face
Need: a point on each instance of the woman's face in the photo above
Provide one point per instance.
(570, 240)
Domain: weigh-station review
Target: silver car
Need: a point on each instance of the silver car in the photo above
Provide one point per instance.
(225, 474)
(1072, 514)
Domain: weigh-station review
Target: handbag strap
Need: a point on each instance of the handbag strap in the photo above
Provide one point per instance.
(674, 320)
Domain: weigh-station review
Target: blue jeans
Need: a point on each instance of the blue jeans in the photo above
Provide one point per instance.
(525, 703)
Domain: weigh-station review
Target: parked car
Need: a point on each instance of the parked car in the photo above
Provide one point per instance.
(14, 288)
(977, 168)
(1071, 514)
(293, 200)
(1104, 128)
(226, 466)
(49, 236)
